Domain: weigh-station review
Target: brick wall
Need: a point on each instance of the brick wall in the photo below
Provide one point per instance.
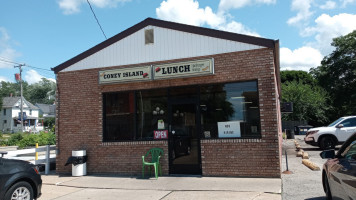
(79, 123)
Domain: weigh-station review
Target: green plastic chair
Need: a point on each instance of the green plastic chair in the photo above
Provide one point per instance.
(155, 156)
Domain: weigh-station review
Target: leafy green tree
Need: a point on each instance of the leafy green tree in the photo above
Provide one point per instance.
(8, 88)
(309, 103)
(299, 76)
(337, 75)
(42, 92)
(49, 122)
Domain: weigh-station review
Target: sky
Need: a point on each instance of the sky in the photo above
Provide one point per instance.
(44, 34)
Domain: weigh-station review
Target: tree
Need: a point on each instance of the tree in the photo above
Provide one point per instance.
(337, 75)
(8, 88)
(309, 103)
(42, 92)
(299, 76)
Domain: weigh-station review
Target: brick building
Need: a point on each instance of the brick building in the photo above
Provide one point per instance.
(209, 98)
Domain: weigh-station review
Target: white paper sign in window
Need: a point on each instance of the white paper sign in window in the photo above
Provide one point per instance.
(229, 129)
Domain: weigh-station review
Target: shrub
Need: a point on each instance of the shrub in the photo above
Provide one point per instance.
(14, 139)
(2, 140)
(46, 138)
(49, 122)
(29, 140)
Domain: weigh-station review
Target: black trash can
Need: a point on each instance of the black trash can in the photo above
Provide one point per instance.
(290, 134)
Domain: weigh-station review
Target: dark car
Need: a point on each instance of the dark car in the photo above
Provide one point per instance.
(339, 172)
(19, 180)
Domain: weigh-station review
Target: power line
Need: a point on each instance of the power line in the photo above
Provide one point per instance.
(97, 21)
(37, 68)
(43, 73)
(23, 64)
(9, 61)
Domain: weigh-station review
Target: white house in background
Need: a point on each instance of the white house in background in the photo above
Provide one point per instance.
(10, 120)
(46, 110)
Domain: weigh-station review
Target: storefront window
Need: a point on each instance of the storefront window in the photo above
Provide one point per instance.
(230, 110)
(119, 109)
(227, 110)
(152, 113)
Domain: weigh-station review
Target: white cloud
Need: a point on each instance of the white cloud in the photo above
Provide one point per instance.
(73, 6)
(3, 78)
(52, 79)
(32, 76)
(328, 27)
(238, 28)
(6, 51)
(303, 58)
(189, 12)
(328, 5)
(225, 5)
(303, 12)
(345, 2)
(70, 6)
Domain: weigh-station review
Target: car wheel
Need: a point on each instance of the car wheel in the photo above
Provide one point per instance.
(326, 187)
(327, 143)
(20, 191)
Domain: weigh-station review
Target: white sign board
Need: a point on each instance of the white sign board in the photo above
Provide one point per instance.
(125, 75)
(184, 69)
(229, 129)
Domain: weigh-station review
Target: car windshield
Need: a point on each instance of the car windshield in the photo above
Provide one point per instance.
(335, 122)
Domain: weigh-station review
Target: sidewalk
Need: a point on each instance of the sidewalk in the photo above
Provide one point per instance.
(167, 188)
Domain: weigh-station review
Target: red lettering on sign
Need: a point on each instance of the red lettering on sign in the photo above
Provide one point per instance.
(162, 134)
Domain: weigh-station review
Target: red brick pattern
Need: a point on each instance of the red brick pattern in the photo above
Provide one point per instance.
(79, 121)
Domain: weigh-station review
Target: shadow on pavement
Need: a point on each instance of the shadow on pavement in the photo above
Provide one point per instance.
(316, 198)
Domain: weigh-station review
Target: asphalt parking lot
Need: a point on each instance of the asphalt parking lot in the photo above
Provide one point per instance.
(303, 183)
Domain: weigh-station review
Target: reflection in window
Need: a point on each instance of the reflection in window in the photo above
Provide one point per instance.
(119, 116)
(135, 115)
(231, 105)
(349, 122)
(151, 112)
(350, 151)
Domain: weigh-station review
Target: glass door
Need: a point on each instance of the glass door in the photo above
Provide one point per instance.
(184, 143)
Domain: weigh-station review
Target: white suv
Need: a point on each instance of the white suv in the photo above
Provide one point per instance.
(336, 133)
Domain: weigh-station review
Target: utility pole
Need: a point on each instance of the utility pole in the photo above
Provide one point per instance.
(21, 107)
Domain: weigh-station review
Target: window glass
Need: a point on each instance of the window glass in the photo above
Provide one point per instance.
(4, 111)
(350, 151)
(230, 110)
(227, 110)
(119, 116)
(183, 92)
(152, 113)
(349, 122)
(335, 122)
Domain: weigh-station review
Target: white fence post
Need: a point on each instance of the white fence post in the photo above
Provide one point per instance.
(47, 166)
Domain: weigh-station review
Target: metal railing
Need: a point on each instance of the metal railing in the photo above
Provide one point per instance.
(47, 159)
